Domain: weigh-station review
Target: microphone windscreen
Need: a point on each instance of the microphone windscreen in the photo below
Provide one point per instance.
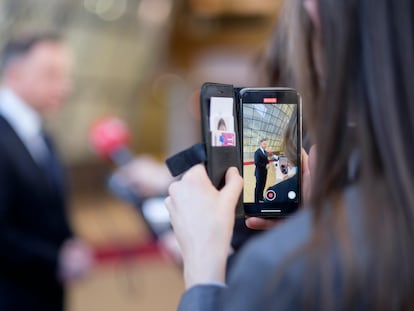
(107, 135)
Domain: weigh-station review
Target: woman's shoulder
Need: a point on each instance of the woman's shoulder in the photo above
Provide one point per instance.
(260, 258)
(275, 245)
(282, 239)
(274, 253)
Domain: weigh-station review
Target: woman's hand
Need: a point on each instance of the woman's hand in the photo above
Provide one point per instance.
(203, 220)
(308, 164)
(258, 223)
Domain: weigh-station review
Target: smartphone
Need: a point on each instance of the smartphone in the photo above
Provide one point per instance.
(271, 140)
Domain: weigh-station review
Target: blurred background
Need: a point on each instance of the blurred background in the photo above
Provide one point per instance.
(142, 61)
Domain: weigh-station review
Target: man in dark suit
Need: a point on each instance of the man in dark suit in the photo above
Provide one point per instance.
(38, 250)
(261, 162)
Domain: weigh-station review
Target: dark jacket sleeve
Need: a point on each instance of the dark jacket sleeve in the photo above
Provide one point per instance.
(256, 158)
(253, 271)
(202, 298)
(260, 160)
(257, 161)
(21, 253)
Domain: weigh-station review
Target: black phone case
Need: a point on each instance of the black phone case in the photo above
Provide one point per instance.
(219, 159)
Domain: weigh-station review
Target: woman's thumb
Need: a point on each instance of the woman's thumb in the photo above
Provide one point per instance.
(234, 185)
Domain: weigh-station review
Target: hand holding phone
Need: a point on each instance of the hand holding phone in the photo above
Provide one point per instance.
(251, 129)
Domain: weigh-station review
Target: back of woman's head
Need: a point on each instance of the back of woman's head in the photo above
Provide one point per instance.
(367, 101)
(364, 118)
(361, 251)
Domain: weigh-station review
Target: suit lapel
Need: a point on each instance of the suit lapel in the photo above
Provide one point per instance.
(15, 142)
(22, 155)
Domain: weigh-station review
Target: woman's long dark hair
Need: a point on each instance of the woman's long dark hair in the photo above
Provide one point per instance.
(288, 59)
(364, 119)
(367, 109)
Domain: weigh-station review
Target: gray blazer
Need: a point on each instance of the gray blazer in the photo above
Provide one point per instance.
(258, 263)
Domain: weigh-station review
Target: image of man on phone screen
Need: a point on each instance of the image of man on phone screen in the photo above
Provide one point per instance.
(262, 164)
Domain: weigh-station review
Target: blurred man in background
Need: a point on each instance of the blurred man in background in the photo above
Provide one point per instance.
(38, 250)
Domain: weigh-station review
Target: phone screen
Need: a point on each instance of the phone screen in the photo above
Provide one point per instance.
(271, 151)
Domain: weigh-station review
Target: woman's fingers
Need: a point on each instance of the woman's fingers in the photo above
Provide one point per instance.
(233, 187)
(257, 223)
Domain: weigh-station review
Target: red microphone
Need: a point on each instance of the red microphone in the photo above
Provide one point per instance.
(109, 138)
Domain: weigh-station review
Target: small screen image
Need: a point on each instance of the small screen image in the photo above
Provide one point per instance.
(222, 122)
(270, 153)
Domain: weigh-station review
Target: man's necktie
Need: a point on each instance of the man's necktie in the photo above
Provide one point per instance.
(51, 165)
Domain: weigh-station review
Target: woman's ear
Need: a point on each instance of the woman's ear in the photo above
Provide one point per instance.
(311, 7)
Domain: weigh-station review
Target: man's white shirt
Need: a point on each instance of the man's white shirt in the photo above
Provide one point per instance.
(25, 121)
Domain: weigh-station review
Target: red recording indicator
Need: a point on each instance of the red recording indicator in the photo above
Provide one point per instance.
(270, 100)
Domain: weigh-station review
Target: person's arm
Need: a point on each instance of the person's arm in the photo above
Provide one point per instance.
(203, 220)
(23, 253)
(253, 275)
(203, 228)
(256, 158)
(146, 176)
(20, 251)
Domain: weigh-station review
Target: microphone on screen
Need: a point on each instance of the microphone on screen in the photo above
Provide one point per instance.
(109, 138)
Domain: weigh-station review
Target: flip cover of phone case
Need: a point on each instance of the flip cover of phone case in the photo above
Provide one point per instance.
(220, 129)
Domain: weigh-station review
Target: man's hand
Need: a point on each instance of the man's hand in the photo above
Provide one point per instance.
(147, 176)
(75, 260)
